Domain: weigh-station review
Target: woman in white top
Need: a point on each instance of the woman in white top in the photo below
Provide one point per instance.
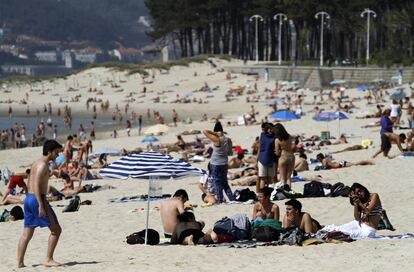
(395, 113)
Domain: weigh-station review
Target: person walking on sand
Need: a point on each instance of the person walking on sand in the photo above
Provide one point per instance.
(37, 211)
(139, 125)
(175, 117)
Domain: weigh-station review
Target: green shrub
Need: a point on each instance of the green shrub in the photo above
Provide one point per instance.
(407, 61)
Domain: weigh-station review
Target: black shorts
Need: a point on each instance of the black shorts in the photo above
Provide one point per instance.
(385, 143)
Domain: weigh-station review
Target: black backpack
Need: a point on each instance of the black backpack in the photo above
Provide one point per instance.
(244, 195)
(313, 189)
(139, 237)
(265, 234)
(224, 226)
(339, 189)
(17, 213)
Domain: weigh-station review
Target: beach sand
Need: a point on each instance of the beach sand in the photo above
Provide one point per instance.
(93, 239)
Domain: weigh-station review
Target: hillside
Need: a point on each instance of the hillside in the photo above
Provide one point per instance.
(100, 21)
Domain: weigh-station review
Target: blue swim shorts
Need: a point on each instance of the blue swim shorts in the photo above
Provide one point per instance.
(31, 213)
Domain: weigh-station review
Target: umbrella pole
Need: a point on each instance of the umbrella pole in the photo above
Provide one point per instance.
(339, 128)
(148, 207)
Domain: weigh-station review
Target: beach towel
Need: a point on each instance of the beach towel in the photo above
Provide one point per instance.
(138, 198)
(5, 176)
(240, 244)
(298, 179)
(355, 229)
(398, 236)
(366, 143)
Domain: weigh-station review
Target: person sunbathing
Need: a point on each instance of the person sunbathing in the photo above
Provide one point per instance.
(82, 173)
(265, 209)
(341, 140)
(54, 194)
(294, 217)
(248, 172)
(375, 115)
(101, 162)
(188, 231)
(351, 148)
(237, 161)
(328, 164)
(302, 163)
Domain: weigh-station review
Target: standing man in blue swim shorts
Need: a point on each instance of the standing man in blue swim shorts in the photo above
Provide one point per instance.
(37, 211)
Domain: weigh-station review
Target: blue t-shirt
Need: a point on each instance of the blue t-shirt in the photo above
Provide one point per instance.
(386, 124)
(267, 149)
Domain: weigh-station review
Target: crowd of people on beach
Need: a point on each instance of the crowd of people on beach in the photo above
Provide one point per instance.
(275, 159)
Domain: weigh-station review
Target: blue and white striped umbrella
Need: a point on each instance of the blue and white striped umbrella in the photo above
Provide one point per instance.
(149, 164)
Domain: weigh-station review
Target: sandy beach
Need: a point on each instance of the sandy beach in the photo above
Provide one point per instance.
(93, 239)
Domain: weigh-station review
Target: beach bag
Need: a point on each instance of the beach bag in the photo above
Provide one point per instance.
(338, 236)
(17, 213)
(6, 175)
(293, 236)
(244, 195)
(242, 226)
(4, 217)
(224, 226)
(265, 234)
(384, 223)
(139, 237)
(73, 205)
(134, 239)
(339, 189)
(313, 189)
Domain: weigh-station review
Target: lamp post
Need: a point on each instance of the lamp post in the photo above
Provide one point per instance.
(322, 14)
(256, 17)
(282, 17)
(368, 12)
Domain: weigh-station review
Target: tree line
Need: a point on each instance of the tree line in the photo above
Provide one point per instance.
(223, 27)
(104, 23)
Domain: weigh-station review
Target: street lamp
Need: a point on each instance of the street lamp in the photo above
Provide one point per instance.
(256, 17)
(282, 17)
(323, 15)
(368, 12)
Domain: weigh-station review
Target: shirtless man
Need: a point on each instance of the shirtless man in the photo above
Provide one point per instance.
(67, 152)
(237, 161)
(328, 164)
(392, 139)
(302, 163)
(294, 217)
(85, 148)
(170, 208)
(37, 211)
